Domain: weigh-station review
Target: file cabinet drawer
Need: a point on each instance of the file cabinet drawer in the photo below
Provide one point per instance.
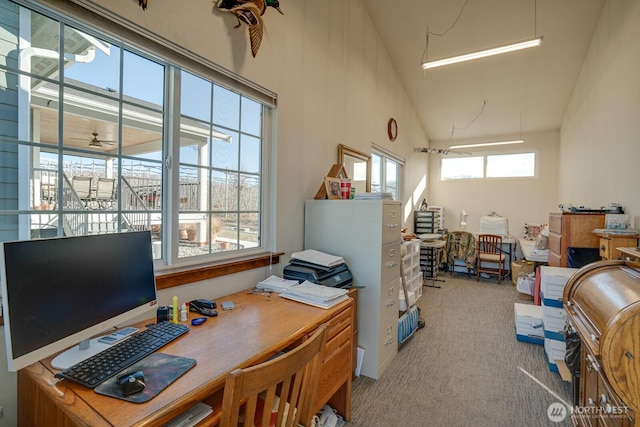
(391, 216)
(390, 262)
(389, 304)
(388, 340)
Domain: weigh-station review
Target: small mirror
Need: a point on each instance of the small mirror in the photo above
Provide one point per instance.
(358, 167)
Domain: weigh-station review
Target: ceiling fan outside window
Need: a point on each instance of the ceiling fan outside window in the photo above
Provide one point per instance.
(95, 141)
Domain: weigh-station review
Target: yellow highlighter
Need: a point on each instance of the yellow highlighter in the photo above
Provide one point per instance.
(175, 309)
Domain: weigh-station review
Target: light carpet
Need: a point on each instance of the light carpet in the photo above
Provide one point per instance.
(464, 367)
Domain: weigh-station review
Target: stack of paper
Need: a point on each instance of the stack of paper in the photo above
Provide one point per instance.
(275, 284)
(374, 196)
(319, 258)
(316, 295)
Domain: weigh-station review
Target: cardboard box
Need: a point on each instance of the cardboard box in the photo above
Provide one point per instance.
(529, 328)
(554, 320)
(552, 282)
(554, 350)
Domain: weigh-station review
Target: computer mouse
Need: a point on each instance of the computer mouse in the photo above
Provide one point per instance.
(198, 321)
(131, 383)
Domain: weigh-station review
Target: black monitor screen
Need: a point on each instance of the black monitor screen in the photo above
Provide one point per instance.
(72, 288)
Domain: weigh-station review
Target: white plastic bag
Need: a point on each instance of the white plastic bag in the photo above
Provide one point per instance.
(526, 283)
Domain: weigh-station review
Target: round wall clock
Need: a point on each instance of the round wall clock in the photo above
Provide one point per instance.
(392, 129)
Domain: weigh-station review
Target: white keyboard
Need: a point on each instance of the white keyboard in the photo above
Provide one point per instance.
(191, 416)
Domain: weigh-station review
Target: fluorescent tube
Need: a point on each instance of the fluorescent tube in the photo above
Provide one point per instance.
(482, 54)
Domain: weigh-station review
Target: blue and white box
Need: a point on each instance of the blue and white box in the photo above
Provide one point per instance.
(529, 326)
(554, 320)
(554, 350)
(552, 283)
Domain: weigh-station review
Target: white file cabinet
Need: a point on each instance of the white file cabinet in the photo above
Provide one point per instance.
(366, 233)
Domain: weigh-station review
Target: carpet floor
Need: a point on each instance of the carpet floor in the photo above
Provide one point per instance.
(464, 368)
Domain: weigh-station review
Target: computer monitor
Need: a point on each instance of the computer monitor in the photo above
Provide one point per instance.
(63, 291)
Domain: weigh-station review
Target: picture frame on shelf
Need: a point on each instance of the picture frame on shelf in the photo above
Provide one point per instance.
(332, 187)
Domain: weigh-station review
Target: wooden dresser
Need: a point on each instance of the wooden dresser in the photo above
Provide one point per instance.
(602, 302)
(366, 233)
(572, 230)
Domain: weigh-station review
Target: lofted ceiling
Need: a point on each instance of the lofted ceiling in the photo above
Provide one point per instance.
(525, 91)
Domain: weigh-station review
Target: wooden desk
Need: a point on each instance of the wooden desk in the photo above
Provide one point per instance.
(255, 330)
(610, 241)
(633, 253)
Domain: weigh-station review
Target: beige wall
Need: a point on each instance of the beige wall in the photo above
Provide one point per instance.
(600, 138)
(520, 200)
(335, 84)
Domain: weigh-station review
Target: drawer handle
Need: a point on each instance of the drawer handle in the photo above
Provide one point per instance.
(389, 341)
(390, 291)
(594, 338)
(389, 329)
(594, 364)
(392, 213)
(628, 354)
(392, 225)
(391, 264)
(392, 253)
(390, 303)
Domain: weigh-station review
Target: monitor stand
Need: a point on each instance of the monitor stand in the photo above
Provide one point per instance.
(84, 350)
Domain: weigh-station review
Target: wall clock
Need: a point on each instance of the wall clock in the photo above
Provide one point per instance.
(392, 129)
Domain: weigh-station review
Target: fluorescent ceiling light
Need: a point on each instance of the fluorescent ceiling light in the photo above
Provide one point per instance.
(484, 53)
(487, 144)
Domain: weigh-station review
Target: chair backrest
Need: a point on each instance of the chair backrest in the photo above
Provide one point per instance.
(490, 243)
(82, 186)
(105, 189)
(290, 380)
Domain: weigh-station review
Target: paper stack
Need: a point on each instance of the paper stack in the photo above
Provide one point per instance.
(275, 284)
(319, 258)
(316, 295)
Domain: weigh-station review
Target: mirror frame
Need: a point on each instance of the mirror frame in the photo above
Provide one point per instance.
(343, 150)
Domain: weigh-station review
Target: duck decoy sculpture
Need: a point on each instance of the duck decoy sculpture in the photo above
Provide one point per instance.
(250, 12)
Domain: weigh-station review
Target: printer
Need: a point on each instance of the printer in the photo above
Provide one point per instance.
(337, 276)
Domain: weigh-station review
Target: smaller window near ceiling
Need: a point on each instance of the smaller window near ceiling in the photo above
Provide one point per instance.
(511, 165)
(386, 174)
(462, 168)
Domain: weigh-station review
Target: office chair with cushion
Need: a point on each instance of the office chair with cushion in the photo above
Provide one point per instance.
(287, 383)
(490, 252)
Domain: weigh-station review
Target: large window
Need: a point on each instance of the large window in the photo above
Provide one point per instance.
(490, 166)
(100, 137)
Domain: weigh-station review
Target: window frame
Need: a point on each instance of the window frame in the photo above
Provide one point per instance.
(388, 156)
(136, 40)
(485, 158)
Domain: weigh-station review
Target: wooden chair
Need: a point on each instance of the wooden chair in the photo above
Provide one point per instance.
(292, 378)
(490, 252)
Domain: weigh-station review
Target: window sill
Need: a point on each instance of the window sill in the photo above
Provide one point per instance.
(169, 280)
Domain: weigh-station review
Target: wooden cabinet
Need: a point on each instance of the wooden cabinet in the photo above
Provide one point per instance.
(609, 243)
(571, 230)
(366, 233)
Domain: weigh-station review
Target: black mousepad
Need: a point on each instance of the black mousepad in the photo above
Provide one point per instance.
(159, 371)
